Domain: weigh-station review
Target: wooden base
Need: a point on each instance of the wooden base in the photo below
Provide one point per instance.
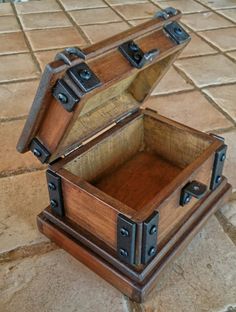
(133, 282)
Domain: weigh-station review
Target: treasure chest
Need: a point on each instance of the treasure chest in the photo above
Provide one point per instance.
(128, 188)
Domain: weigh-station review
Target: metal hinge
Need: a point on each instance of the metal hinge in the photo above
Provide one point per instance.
(176, 32)
(149, 242)
(55, 192)
(39, 150)
(136, 57)
(220, 156)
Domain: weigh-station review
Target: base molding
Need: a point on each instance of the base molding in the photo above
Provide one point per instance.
(136, 284)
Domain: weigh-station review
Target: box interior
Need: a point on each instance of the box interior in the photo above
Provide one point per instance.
(137, 161)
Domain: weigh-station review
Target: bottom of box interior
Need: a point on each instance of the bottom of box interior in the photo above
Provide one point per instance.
(139, 179)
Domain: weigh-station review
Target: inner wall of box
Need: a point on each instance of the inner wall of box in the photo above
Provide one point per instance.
(139, 160)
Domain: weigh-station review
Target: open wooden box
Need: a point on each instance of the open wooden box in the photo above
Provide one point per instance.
(128, 188)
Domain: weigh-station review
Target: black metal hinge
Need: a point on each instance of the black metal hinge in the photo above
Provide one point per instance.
(176, 32)
(220, 156)
(149, 242)
(126, 236)
(55, 192)
(39, 150)
(134, 54)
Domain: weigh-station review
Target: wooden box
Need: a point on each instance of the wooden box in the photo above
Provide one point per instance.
(128, 188)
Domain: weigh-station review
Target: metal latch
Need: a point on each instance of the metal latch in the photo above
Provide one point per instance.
(133, 53)
(192, 189)
(176, 32)
(166, 13)
(65, 55)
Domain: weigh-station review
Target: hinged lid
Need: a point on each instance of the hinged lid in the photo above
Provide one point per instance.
(83, 92)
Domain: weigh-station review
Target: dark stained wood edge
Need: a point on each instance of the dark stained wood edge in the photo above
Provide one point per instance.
(136, 291)
(138, 274)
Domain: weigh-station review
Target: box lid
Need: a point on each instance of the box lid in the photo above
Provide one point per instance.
(84, 92)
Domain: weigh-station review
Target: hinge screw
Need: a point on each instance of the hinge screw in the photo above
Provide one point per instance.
(133, 46)
(178, 30)
(63, 98)
(36, 152)
(187, 199)
(52, 186)
(218, 179)
(151, 251)
(137, 56)
(123, 252)
(85, 74)
(53, 203)
(153, 230)
(124, 232)
(223, 157)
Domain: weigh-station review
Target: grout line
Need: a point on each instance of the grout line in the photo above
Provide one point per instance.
(183, 75)
(18, 81)
(77, 27)
(26, 38)
(117, 13)
(4, 120)
(17, 172)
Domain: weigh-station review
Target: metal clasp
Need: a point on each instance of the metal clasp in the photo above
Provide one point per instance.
(193, 189)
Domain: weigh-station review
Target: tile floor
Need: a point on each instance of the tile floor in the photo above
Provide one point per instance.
(199, 90)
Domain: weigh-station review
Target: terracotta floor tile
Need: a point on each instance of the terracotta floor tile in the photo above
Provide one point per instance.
(54, 38)
(16, 98)
(8, 24)
(94, 16)
(137, 10)
(184, 6)
(201, 279)
(44, 20)
(12, 43)
(62, 284)
(17, 66)
(208, 70)
(22, 197)
(37, 7)
(224, 39)
(197, 47)
(46, 57)
(171, 82)
(204, 21)
(6, 9)
(82, 4)
(224, 96)
(232, 54)
(230, 163)
(118, 2)
(218, 4)
(180, 107)
(99, 32)
(9, 134)
(229, 13)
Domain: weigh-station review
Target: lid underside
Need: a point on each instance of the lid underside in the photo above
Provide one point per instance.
(121, 88)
